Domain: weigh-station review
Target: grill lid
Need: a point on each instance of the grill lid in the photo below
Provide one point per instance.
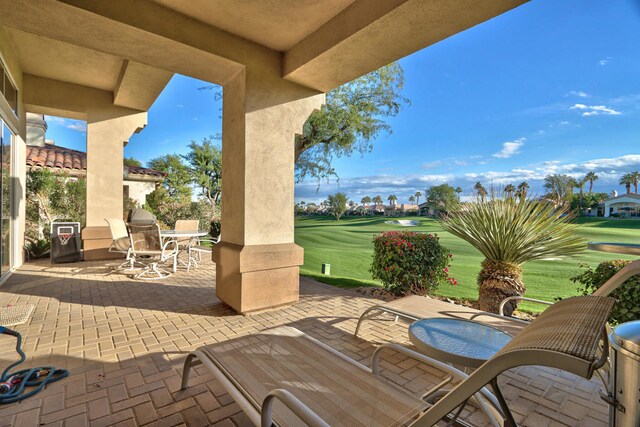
(627, 336)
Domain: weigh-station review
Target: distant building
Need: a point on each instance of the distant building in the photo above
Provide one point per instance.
(626, 205)
(41, 153)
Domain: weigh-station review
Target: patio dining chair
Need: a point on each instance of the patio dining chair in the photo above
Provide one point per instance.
(120, 243)
(203, 245)
(148, 248)
(281, 376)
(185, 225)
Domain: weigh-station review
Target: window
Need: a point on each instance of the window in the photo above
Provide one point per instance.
(6, 190)
(8, 89)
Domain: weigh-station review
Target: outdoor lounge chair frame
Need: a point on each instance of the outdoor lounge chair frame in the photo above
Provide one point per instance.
(568, 336)
(409, 307)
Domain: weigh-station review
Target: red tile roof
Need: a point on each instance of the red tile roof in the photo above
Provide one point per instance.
(57, 157)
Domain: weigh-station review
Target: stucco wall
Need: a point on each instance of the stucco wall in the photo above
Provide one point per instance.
(138, 190)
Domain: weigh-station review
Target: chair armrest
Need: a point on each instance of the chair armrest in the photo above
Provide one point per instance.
(211, 240)
(296, 406)
(518, 298)
(501, 317)
(453, 373)
(375, 357)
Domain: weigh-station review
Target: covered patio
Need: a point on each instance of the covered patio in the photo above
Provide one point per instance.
(124, 342)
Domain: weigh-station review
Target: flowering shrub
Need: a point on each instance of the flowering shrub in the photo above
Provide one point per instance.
(408, 262)
(627, 307)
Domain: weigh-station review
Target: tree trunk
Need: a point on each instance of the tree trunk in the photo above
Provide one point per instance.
(496, 281)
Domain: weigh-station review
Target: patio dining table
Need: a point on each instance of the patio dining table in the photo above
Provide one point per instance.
(177, 235)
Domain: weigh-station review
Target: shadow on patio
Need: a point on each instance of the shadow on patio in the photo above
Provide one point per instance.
(124, 341)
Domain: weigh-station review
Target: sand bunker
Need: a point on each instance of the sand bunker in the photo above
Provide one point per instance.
(404, 222)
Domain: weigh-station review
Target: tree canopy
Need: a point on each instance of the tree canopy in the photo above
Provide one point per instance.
(442, 198)
(353, 116)
(205, 164)
(559, 188)
(178, 180)
(131, 161)
(337, 204)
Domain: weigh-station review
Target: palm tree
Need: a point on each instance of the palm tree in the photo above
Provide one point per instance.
(591, 177)
(627, 180)
(377, 200)
(418, 195)
(580, 186)
(480, 190)
(523, 188)
(365, 200)
(412, 199)
(636, 178)
(510, 232)
(509, 190)
(458, 191)
(392, 199)
(559, 188)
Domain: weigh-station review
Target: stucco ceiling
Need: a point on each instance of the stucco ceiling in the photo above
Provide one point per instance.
(277, 24)
(57, 60)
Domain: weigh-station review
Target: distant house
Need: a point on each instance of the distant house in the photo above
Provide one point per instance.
(425, 209)
(625, 205)
(374, 209)
(401, 209)
(137, 182)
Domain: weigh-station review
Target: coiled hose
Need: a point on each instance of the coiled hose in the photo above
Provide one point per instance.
(13, 385)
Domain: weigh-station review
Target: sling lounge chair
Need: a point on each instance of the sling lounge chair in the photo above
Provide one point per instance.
(282, 376)
(416, 307)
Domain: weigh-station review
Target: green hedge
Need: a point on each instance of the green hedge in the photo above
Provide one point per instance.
(627, 307)
(408, 262)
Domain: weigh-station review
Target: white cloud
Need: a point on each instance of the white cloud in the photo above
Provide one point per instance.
(76, 125)
(605, 61)
(179, 105)
(608, 170)
(510, 148)
(579, 93)
(431, 165)
(460, 162)
(563, 123)
(595, 110)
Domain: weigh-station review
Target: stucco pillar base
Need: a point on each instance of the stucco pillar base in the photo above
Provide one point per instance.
(256, 277)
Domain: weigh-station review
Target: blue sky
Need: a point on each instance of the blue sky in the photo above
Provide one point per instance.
(550, 87)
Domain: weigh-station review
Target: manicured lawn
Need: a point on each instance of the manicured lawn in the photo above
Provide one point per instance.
(346, 245)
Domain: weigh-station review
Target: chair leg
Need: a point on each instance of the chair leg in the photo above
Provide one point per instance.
(508, 416)
(188, 363)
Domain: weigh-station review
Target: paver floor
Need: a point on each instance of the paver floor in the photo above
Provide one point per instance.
(124, 341)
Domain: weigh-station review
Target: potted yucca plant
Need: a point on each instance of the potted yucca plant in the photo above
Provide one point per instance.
(510, 231)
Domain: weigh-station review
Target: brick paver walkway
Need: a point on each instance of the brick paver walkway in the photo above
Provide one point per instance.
(124, 341)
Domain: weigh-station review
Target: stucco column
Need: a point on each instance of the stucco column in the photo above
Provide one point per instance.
(257, 260)
(107, 134)
(106, 138)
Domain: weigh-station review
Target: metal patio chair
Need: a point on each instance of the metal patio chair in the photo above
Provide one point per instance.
(282, 376)
(148, 248)
(120, 243)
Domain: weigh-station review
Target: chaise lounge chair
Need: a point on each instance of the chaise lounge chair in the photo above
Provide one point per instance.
(282, 376)
(416, 307)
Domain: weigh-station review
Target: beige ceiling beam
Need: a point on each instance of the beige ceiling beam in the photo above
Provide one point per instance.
(62, 99)
(139, 85)
(143, 32)
(370, 34)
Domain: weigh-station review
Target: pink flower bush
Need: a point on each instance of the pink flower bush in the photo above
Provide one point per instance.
(408, 262)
